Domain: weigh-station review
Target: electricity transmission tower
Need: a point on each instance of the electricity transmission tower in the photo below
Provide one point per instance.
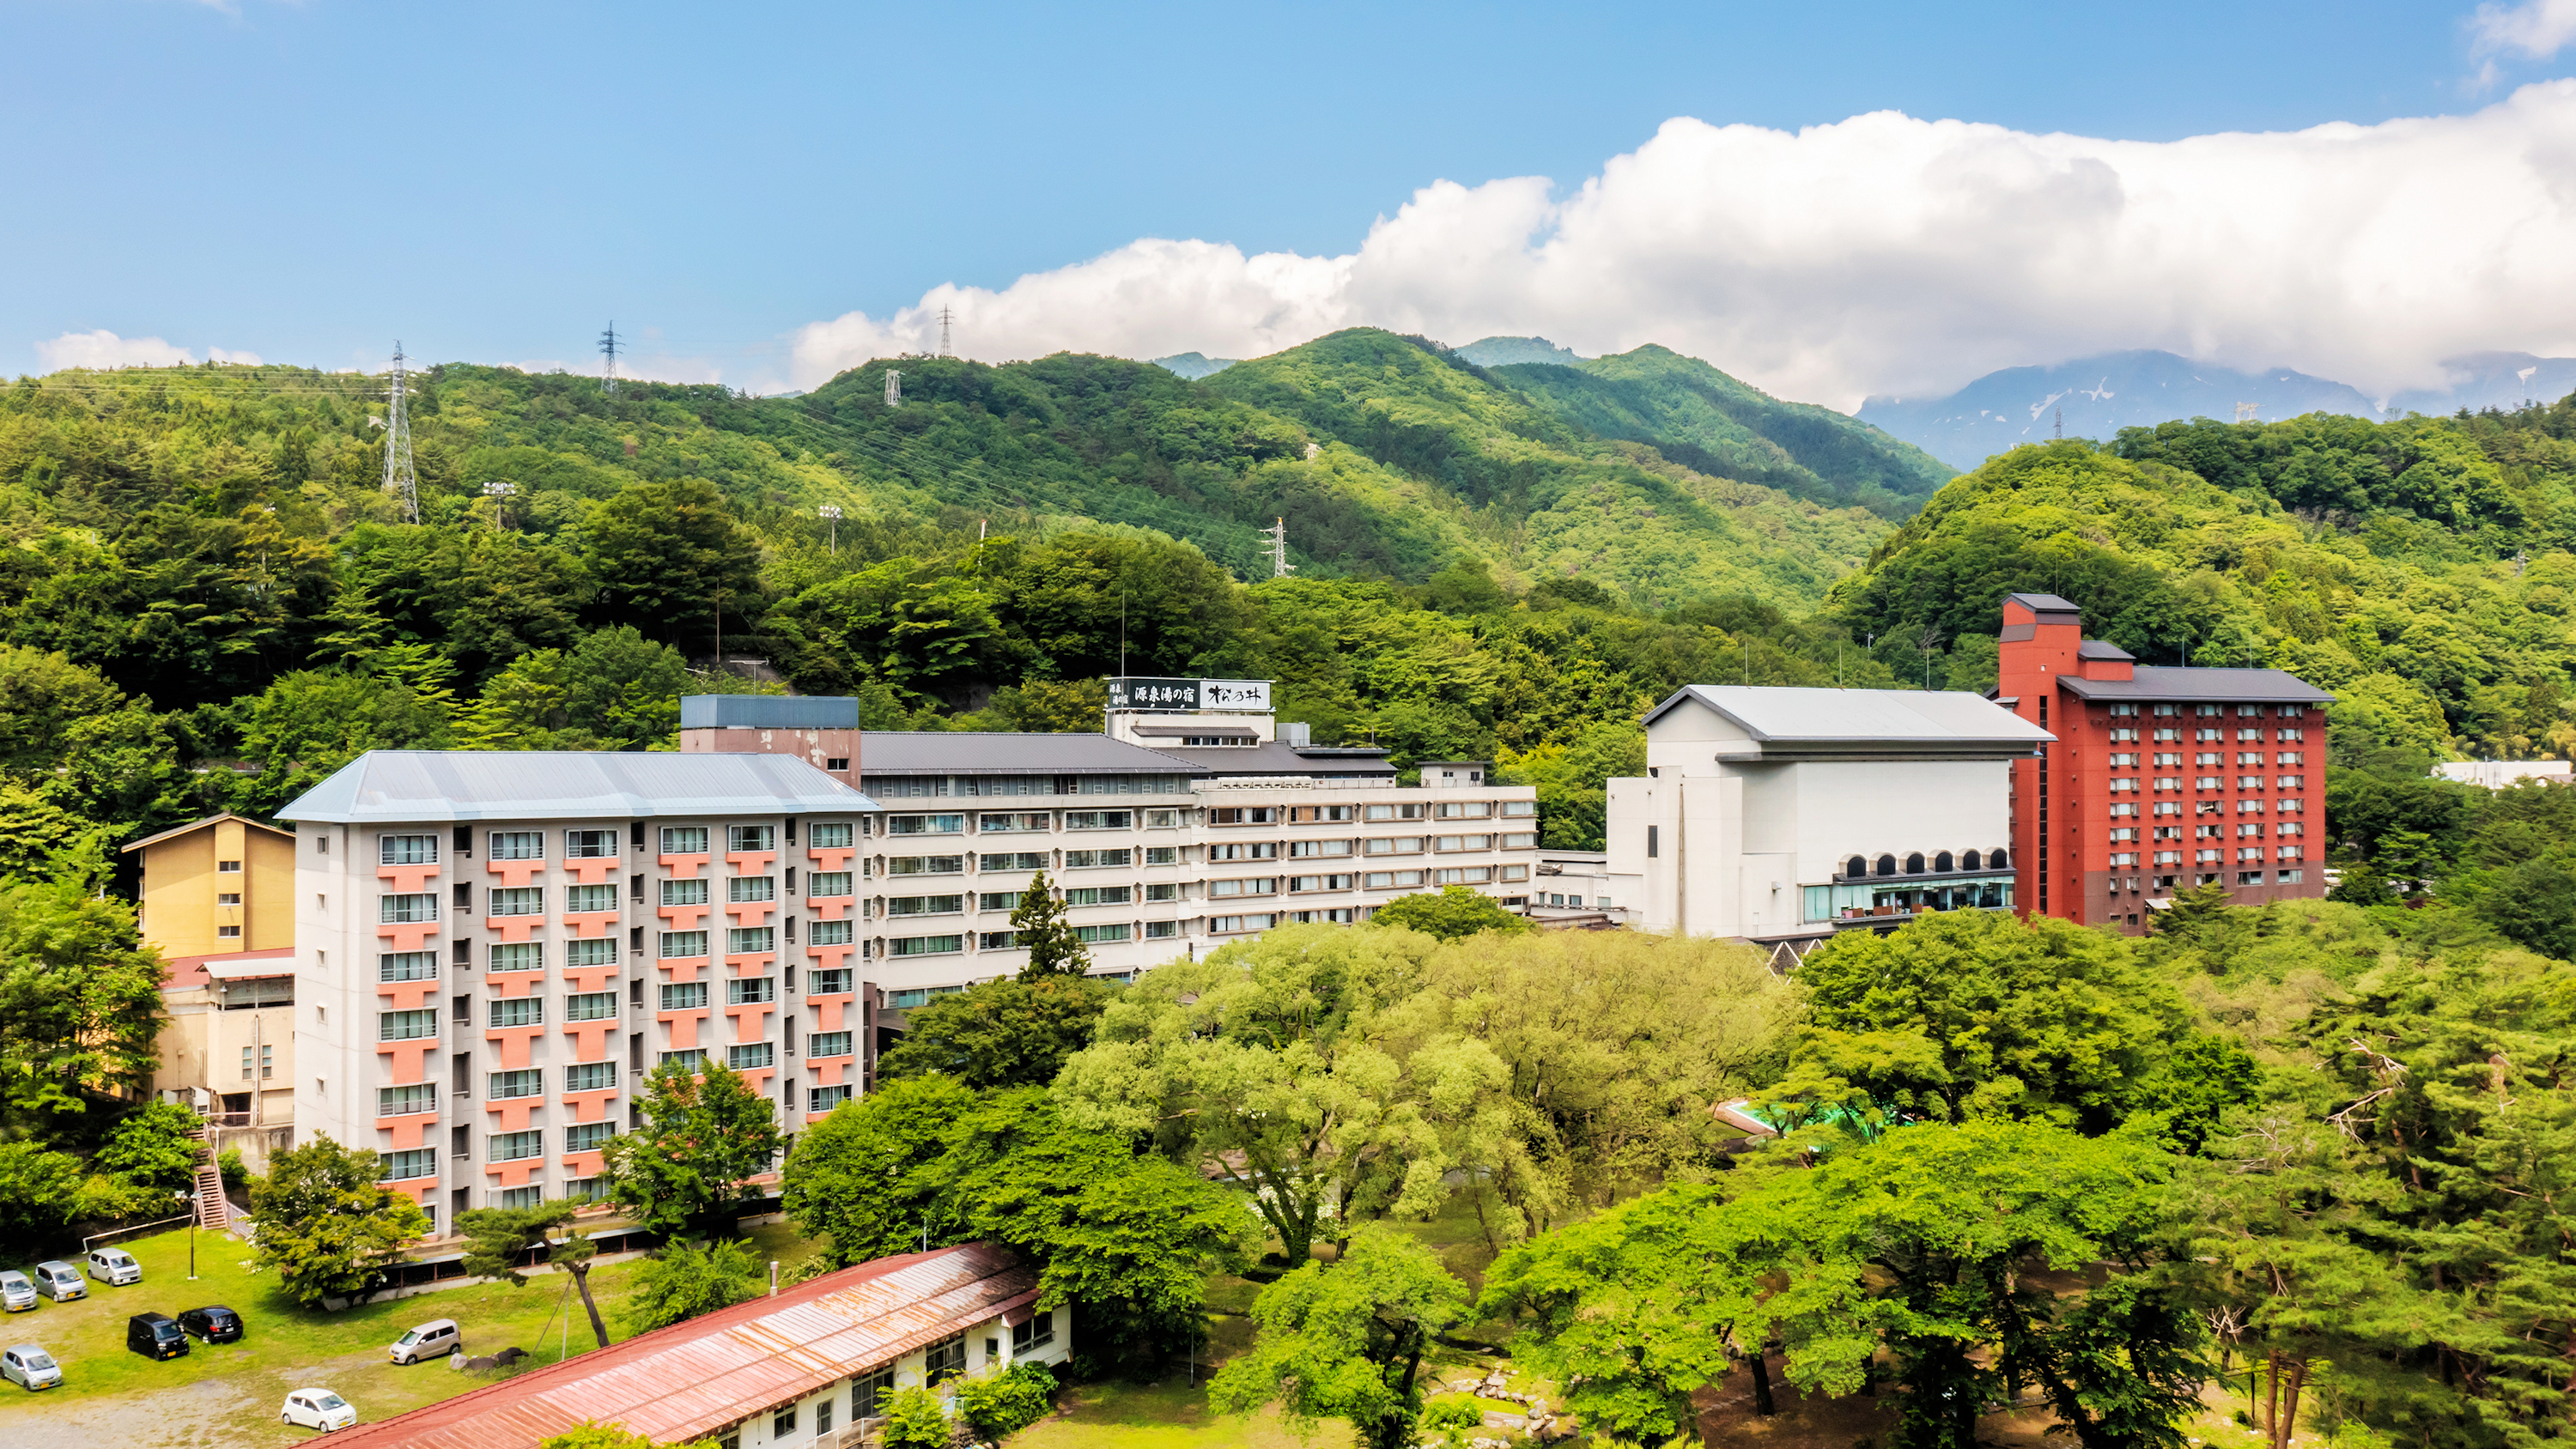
(400, 480)
(894, 388)
(1277, 533)
(2061, 425)
(608, 348)
(945, 317)
(2245, 412)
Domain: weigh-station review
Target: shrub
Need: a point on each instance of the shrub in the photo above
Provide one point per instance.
(915, 1420)
(996, 1406)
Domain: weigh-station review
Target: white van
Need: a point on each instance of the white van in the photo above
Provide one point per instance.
(435, 1339)
(115, 1267)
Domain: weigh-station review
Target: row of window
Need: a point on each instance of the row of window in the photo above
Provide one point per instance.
(1938, 863)
(742, 1056)
(1335, 814)
(2128, 784)
(2172, 759)
(917, 787)
(2206, 857)
(1125, 857)
(421, 848)
(749, 940)
(2210, 711)
(2211, 737)
(2127, 809)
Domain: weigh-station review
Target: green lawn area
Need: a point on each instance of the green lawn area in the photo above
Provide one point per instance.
(229, 1394)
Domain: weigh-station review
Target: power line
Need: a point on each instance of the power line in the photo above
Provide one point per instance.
(399, 477)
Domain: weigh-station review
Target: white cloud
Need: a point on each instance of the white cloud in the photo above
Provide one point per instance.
(103, 348)
(2537, 28)
(1885, 254)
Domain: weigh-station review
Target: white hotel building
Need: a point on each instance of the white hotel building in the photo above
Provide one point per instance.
(492, 947)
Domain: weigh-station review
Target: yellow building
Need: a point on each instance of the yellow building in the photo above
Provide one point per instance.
(217, 905)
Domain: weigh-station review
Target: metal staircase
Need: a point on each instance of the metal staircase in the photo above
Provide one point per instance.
(213, 1212)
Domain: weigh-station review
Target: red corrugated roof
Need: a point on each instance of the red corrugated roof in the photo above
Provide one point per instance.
(694, 1378)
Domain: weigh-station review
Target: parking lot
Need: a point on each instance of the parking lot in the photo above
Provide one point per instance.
(229, 1394)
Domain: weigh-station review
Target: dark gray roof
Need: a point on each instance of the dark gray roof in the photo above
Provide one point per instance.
(2096, 649)
(1786, 715)
(2044, 603)
(400, 786)
(1274, 758)
(2172, 682)
(967, 752)
(767, 712)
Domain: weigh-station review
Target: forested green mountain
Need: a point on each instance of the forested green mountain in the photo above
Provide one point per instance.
(1701, 418)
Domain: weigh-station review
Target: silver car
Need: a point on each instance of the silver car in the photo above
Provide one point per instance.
(29, 1365)
(17, 1291)
(60, 1281)
(114, 1267)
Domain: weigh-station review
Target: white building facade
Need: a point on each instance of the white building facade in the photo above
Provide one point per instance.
(492, 947)
(1783, 815)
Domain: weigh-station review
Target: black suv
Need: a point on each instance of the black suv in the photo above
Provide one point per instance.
(155, 1335)
(214, 1324)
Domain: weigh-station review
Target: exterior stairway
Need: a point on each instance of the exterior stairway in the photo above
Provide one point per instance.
(213, 1212)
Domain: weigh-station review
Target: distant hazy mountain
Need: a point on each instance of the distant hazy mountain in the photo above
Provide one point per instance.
(1503, 351)
(2100, 396)
(2481, 380)
(1195, 365)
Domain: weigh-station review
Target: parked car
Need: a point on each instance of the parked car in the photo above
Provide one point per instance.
(27, 1364)
(115, 1267)
(156, 1335)
(213, 1323)
(60, 1281)
(437, 1338)
(318, 1409)
(17, 1291)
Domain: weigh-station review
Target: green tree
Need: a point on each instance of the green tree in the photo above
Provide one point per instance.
(308, 724)
(1453, 914)
(670, 554)
(497, 1238)
(1040, 927)
(1259, 1065)
(917, 1419)
(868, 1177)
(705, 1132)
(1971, 1014)
(154, 1147)
(1346, 1340)
(997, 1405)
(2534, 905)
(1001, 1033)
(589, 1435)
(37, 1190)
(1572, 779)
(79, 1002)
(679, 1281)
(326, 1223)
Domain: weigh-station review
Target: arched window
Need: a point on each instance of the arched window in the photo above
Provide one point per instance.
(1943, 863)
(1887, 865)
(1968, 861)
(1997, 860)
(1855, 867)
(1914, 863)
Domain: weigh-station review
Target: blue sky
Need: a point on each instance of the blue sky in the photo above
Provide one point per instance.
(306, 181)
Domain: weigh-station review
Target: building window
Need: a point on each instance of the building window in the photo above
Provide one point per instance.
(519, 956)
(834, 982)
(831, 835)
(940, 864)
(824, 884)
(407, 849)
(590, 1006)
(589, 844)
(998, 941)
(828, 933)
(1163, 891)
(1255, 850)
(828, 1044)
(516, 1011)
(517, 901)
(1093, 935)
(516, 1146)
(228, 933)
(406, 1025)
(1234, 925)
(413, 1100)
(582, 899)
(925, 825)
(228, 867)
(925, 945)
(944, 1360)
(743, 889)
(1036, 1333)
(1091, 859)
(868, 1395)
(1384, 880)
(1092, 896)
(750, 940)
(684, 840)
(408, 909)
(1161, 930)
(694, 1059)
(1302, 883)
(680, 945)
(527, 1082)
(588, 1136)
(1463, 875)
(415, 1163)
(518, 845)
(751, 990)
(590, 1076)
(824, 1099)
(928, 905)
(1249, 886)
(684, 996)
(1243, 815)
(1099, 820)
(593, 951)
(751, 1056)
(407, 966)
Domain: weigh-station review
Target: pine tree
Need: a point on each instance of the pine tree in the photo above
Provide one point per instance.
(1054, 949)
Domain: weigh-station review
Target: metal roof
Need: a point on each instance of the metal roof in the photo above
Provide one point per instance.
(1273, 758)
(188, 972)
(2173, 682)
(1791, 716)
(2044, 603)
(968, 752)
(202, 824)
(696, 1377)
(2098, 649)
(404, 786)
(768, 712)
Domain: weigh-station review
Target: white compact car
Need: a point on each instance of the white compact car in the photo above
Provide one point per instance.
(318, 1409)
(30, 1365)
(17, 1291)
(435, 1339)
(115, 1267)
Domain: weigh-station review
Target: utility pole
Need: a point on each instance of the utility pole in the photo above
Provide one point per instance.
(400, 480)
(831, 513)
(608, 349)
(500, 493)
(1277, 533)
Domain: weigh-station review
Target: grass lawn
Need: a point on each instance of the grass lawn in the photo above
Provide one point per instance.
(1168, 1415)
(229, 1394)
